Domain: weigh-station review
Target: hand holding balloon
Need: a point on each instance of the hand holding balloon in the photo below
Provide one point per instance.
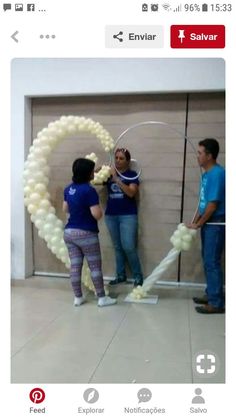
(182, 238)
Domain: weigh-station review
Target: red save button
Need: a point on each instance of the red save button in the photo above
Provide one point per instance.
(197, 36)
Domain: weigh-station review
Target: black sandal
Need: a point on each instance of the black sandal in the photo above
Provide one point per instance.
(117, 281)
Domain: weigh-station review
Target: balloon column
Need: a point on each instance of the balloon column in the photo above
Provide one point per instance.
(181, 240)
(36, 179)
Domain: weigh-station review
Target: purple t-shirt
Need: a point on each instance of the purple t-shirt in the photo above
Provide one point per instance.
(118, 202)
(80, 197)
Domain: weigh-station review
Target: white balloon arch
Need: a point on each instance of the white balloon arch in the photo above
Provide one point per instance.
(43, 214)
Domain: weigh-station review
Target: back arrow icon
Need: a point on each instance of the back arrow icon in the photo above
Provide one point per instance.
(13, 36)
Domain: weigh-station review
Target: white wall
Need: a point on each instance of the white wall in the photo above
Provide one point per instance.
(59, 77)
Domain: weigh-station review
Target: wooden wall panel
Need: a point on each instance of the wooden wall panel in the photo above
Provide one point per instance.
(159, 150)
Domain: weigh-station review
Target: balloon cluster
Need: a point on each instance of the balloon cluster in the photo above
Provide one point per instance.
(36, 177)
(138, 293)
(92, 156)
(182, 238)
(103, 174)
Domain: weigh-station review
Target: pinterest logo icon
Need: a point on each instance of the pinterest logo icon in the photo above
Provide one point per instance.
(37, 395)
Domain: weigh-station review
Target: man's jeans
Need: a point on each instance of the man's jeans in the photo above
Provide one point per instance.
(213, 240)
(123, 231)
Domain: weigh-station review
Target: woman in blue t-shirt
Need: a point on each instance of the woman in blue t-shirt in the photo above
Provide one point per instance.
(81, 231)
(121, 217)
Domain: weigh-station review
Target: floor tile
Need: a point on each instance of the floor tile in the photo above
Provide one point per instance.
(55, 342)
(124, 369)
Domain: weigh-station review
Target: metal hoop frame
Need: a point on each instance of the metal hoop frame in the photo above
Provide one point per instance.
(141, 124)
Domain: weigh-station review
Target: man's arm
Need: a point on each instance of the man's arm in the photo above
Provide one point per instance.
(199, 220)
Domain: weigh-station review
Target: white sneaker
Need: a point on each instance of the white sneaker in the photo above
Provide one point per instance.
(78, 301)
(106, 301)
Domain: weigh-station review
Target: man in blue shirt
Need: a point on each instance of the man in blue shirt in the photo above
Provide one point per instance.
(211, 218)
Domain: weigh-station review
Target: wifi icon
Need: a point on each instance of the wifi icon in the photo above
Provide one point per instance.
(166, 7)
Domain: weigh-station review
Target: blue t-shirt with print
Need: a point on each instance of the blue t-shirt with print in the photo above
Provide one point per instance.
(80, 197)
(212, 189)
(118, 202)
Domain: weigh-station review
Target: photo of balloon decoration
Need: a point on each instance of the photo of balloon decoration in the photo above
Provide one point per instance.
(43, 214)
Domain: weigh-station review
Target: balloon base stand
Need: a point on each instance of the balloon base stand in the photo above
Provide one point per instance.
(151, 299)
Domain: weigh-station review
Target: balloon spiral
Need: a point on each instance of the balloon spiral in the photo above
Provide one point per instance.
(181, 240)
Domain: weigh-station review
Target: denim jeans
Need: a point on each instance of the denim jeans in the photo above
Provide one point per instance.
(123, 231)
(213, 240)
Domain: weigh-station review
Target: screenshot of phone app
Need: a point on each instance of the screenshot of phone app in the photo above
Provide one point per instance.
(117, 133)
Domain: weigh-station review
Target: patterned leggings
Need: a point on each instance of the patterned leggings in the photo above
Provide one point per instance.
(80, 244)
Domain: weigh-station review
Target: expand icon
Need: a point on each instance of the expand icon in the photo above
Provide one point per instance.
(206, 363)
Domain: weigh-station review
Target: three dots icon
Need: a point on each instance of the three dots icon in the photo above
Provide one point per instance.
(47, 36)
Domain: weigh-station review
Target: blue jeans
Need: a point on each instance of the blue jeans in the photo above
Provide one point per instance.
(123, 231)
(213, 240)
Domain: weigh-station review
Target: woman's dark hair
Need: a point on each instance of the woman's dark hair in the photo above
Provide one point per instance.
(82, 170)
(211, 146)
(125, 152)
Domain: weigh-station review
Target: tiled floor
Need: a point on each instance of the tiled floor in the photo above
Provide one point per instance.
(55, 342)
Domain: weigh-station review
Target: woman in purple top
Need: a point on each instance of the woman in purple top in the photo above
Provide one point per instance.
(121, 217)
(81, 231)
